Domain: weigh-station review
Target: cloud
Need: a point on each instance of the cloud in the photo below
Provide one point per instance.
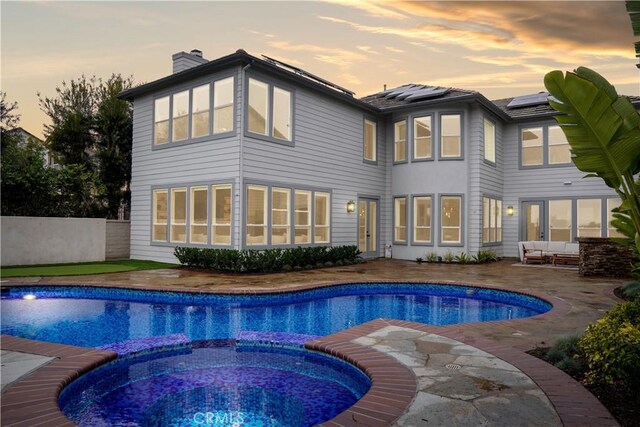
(334, 56)
(377, 9)
(368, 49)
(394, 49)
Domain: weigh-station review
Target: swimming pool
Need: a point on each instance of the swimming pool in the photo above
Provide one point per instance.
(215, 384)
(100, 316)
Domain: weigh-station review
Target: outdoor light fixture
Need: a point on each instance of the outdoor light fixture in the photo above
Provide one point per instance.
(351, 206)
(509, 210)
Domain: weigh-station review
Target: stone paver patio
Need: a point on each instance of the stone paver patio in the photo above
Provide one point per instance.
(485, 389)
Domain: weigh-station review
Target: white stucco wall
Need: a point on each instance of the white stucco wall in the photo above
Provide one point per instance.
(36, 240)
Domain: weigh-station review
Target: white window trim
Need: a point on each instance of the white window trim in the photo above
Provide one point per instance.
(415, 220)
(374, 141)
(173, 213)
(155, 221)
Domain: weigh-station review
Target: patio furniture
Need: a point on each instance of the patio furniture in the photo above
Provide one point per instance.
(541, 252)
(566, 259)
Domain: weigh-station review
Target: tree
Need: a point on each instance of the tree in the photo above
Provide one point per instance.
(92, 128)
(9, 119)
(603, 130)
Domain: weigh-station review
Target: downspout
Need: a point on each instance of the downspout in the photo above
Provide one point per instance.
(244, 100)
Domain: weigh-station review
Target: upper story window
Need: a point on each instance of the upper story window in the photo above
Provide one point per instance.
(544, 145)
(422, 142)
(269, 111)
(186, 115)
(559, 149)
(400, 141)
(489, 141)
(370, 141)
(450, 136)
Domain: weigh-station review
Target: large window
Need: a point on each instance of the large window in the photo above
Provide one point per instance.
(302, 217)
(179, 215)
(256, 215)
(280, 214)
(491, 220)
(611, 230)
(422, 219)
(180, 123)
(589, 218)
(422, 143)
(221, 217)
(560, 220)
(198, 215)
(223, 105)
(161, 121)
(160, 209)
(451, 219)
(532, 153)
(489, 141)
(200, 118)
(269, 110)
(559, 149)
(400, 141)
(322, 218)
(186, 115)
(370, 141)
(400, 219)
(450, 136)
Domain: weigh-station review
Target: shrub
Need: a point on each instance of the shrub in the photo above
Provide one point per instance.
(419, 260)
(268, 260)
(632, 290)
(485, 256)
(448, 258)
(564, 347)
(432, 257)
(612, 347)
(463, 258)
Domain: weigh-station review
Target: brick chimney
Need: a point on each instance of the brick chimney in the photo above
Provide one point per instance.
(183, 60)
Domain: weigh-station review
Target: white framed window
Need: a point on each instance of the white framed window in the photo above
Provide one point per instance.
(422, 143)
(221, 208)
(559, 149)
(400, 141)
(223, 105)
(560, 212)
(450, 136)
(198, 215)
(200, 117)
(258, 107)
(178, 215)
(491, 220)
(489, 141)
(370, 141)
(302, 217)
(180, 114)
(322, 218)
(589, 217)
(281, 114)
(400, 219)
(161, 120)
(280, 216)
(451, 219)
(532, 143)
(256, 215)
(611, 230)
(160, 215)
(422, 219)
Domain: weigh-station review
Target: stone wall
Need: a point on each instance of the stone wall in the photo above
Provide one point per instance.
(605, 258)
(117, 239)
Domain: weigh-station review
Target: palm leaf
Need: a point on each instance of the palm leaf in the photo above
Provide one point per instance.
(602, 128)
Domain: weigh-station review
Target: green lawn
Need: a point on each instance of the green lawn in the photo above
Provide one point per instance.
(81, 268)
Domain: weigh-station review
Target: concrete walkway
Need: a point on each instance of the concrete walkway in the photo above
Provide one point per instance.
(15, 365)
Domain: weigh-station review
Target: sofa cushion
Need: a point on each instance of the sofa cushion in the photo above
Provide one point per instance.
(557, 247)
(540, 245)
(572, 248)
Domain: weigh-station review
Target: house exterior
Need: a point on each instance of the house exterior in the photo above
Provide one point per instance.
(250, 153)
(25, 136)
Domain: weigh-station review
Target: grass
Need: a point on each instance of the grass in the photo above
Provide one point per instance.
(82, 268)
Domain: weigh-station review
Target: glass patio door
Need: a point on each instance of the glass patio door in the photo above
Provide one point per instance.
(533, 227)
(368, 227)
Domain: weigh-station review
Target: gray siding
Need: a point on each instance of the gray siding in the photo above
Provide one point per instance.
(328, 153)
(542, 183)
(209, 160)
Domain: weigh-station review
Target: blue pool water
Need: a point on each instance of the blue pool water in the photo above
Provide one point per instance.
(219, 385)
(92, 317)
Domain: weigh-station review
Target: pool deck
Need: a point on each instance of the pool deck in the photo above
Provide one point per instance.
(577, 302)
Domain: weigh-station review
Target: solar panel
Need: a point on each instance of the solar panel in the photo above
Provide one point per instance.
(407, 93)
(398, 91)
(528, 100)
(429, 92)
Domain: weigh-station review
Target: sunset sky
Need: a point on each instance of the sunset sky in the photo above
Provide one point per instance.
(498, 48)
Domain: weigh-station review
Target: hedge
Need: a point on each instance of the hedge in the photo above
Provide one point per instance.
(268, 260)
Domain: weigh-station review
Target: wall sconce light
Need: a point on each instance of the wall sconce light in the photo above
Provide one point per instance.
(351, 206)
(509, 210)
